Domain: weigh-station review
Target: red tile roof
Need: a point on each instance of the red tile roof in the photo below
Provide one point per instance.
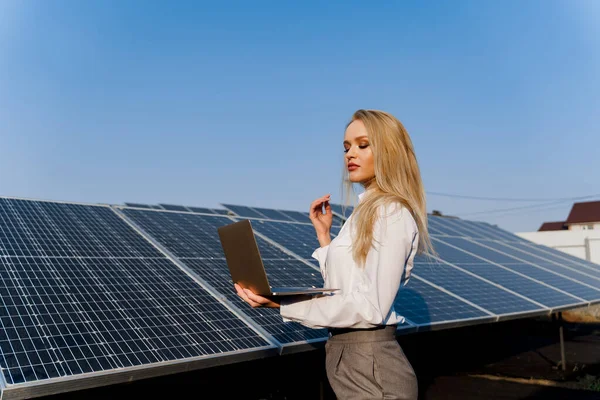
(552, 226)
(582, 213)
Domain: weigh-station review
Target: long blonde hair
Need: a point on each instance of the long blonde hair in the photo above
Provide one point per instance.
(397, 179)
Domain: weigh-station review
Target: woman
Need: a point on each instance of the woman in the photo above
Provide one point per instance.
(368, 261)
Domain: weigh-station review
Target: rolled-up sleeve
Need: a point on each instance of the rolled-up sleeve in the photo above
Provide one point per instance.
(370, 301)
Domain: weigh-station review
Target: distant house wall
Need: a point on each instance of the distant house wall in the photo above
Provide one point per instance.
(580, 243)
(584, 227)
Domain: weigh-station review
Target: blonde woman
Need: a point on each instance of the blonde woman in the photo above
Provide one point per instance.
(368, 261)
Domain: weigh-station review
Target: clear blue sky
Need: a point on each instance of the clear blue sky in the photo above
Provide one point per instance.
(201, 103)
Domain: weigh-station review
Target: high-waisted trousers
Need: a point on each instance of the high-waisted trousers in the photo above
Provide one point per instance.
(368, 364)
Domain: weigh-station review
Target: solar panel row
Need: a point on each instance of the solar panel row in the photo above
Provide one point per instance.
(83, 293)
(97, 289)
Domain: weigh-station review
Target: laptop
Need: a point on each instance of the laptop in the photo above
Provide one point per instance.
(246, 265)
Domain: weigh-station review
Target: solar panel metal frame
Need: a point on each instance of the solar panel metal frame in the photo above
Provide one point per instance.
(49, 386)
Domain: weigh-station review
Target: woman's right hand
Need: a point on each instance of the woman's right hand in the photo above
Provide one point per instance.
(322, 222)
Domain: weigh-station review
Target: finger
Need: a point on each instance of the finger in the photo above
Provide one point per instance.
(315, 208)
(244, 296)
(238, 289)
(256, 298)
(327, 207)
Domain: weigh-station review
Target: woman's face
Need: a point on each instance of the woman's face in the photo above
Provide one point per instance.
(359, 157)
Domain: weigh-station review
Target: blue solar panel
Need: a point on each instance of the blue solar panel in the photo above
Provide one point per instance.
(477, 291)
(174, 207)
(220, 211)
(342, 211)
(423, 304)
(139, 205)
(460, 226)
(440, 225)
(493, 232)
(273, 214)
(298, 238)
(588, 276)
(194, 240)
(82, 292)
(476, 251)
(549, 254)
(202, 210)
(244, 211)
(297, 216)
(545, 295)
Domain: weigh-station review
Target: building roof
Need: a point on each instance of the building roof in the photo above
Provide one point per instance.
(585, 212)
(553, 226)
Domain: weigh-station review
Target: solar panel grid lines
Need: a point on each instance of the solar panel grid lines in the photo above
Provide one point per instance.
(548, 265)
(341, 211)
(452, 294)
(77, 275)
(138, 205)
(273, 214)
(493, 232)
(423, 303)
(174, 207)
(490, 296)
(491, 282)
(244, 211)
(298, 238)
(553, 279)
(462, 229)
(192, 238)
(556, 258)
(285, 249)
(201, 210)
(207, 286)
(443, 227)
(515, 273)
(509, 266)
(220, 211)
(297, 216)
(540, 259)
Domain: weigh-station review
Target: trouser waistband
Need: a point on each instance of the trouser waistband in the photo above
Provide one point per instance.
(348, 335)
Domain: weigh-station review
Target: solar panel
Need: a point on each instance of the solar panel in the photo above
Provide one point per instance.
(202, 210)
(174, 207)
(193, 239)
(479, 292)
(139, 205)
(581, 274)
(299, 238)
(297, 216)
(341, 211)
(220, 211)
(423, 304)
(244, 211)
(547, 254)
(546, 251)
(83, 293)
(272, 214)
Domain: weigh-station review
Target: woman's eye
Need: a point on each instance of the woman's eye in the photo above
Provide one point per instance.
(363, 146)
(346, 150)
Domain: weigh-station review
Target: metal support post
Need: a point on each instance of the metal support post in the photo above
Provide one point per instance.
(563, 361)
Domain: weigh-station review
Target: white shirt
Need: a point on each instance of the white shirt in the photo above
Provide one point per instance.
(366, 296)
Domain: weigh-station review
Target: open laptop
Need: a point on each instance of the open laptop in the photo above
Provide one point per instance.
(246, 265)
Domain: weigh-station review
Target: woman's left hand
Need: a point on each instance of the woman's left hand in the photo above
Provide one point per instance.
(255, 300)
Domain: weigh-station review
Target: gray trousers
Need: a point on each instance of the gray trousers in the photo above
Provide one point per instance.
(369, 364)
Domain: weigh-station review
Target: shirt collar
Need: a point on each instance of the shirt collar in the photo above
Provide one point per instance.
(360, 196)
